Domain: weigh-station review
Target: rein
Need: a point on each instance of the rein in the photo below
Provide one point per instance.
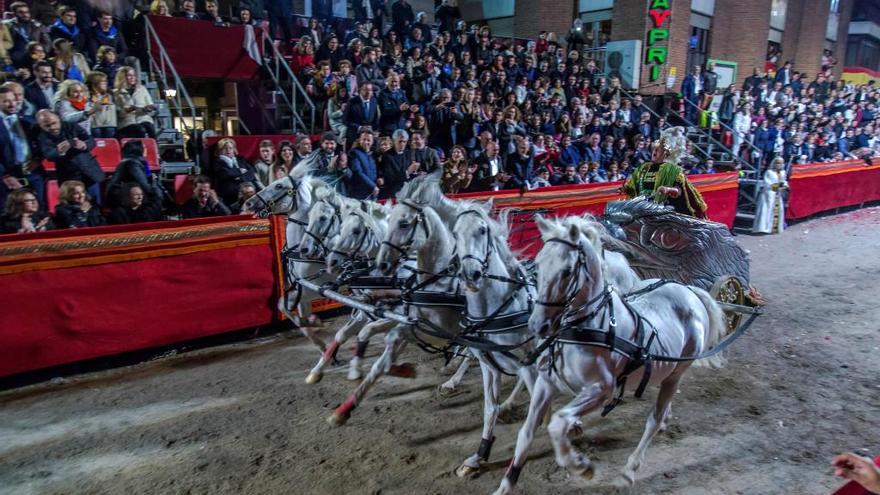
(269, 206)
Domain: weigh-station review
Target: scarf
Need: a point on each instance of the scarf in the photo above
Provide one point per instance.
(108, 37)
(78, 105)
(71, 32)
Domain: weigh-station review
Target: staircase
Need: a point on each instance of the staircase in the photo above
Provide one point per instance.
(172, 100)
(290, 107)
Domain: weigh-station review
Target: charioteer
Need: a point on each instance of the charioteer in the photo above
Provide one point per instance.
(663, 180)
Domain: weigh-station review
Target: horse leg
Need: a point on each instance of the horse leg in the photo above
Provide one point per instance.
(380, 367)
(354, 366)
(525, 379)
(652, 425)
(353, 325)
(491, 394)
(542, 396)
(285, 303)
(568, 417)
(448, 387)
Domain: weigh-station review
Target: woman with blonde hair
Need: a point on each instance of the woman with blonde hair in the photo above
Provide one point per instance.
(76, 209)
(456, 175)
(160, 7)
(73, 106)
(134, 105)
(231, 170)
(68, 63)
(103, 121)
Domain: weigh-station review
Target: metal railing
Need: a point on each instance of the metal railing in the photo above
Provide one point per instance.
(162, 68)
(297, 101)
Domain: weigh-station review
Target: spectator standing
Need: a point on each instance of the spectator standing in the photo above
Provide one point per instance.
(24, 30)
(23, 214)
(107, 64)
(41, 91)
(75, 209)
(369, 71)
(105, 33)
(329, 166)
(362, 184)
(691, 88)
(423, 160)
(204, 201)
(491, 175)
(69, 63)
(231, 170)
(138, 207)
(188, 11)
(770, 212)
(134, 105)
(519, 165)
(710, 80)
(66, 28)
(17, 167)
(103, 121)
(456, 174)
(69, 146)
(362, 110)
(442, 117)
(73, 107)
(393, 165)
(280, 18)
(393, 106)
(402, 16)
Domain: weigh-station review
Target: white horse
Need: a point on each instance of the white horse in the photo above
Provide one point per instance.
(499, 297)
(293, 195)
(676, 321)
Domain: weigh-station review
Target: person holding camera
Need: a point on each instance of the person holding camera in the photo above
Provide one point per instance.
(69, 146)
(204, 201)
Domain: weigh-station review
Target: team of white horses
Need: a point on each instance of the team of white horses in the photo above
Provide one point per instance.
(447, 248)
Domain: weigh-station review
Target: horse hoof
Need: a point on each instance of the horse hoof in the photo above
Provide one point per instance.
(576, 431)
(405, 370)
(588, 473)
(337, 419)
(354, 375)
(465, 471)
(314, 378)
(447, 392)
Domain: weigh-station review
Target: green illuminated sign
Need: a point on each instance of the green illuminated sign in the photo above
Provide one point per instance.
(655, 56)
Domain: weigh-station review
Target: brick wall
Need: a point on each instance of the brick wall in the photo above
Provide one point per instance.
(679, 37)
(534, 16)
(846, 10)
(739, 34)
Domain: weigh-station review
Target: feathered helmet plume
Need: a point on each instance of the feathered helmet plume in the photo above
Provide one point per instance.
(673, 142)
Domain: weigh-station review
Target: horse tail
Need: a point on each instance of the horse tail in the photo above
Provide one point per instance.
(715, 332)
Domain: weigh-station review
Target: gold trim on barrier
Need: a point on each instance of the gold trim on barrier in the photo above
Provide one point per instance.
(126, 239)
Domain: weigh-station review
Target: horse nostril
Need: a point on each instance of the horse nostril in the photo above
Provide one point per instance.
(333, 263)
(478, 275)
(384, 266)
(545, 327)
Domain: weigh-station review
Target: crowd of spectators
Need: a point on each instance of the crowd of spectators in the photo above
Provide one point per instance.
(397, 98)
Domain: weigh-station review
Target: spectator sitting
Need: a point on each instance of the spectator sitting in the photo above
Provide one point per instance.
(41, 91)
(204, 201)
(568, 153)
(107, 63)
(103, 120)
(362, 184)
(284, 161)
(212, 13)
(231, 170)
(542, 179)
(303, 62)
(23, 214)
(245, 191)
(596, 173)
(188, 11)
(69, 63)
(160, 8)
(570, 176)
(76, 209)
(72, 105)
(133, 169)
(65, 28)
(336, 112)
(134, 105)
(614, 174)
(104, 33)
(138, 206)
(264, 164)
(245, 17)
(68, 145)
(456, 175)
(303, 148)
(34, 52)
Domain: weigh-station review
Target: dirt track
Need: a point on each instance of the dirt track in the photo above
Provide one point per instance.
(799, 387)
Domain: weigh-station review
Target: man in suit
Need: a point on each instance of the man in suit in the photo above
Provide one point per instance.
(393, 105)
(691, 88)
(42, 89)
(23, 30)
(362, 110)
(423, 160)
(393, 165)
(16, 169)
(490, 175)
(69, 146)
(520, 165)
(783, 75)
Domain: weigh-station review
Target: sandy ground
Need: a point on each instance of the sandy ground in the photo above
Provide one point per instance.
(799, 387)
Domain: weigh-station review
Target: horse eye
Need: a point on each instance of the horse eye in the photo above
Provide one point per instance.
(482, 230)
(403, 224)
(566, 273)
(323, 218)
(356, 231)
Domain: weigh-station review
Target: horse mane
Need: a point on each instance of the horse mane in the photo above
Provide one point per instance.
(369, 217)
(304, 167)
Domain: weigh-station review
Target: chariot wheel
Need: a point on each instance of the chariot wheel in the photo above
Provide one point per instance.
(729, 289)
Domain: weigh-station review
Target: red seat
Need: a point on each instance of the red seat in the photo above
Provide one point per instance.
(106, 152)
(183, 189)
(150, 147)
(53, 193)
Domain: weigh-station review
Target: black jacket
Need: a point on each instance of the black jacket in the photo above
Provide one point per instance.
(392, 170)
(74, 164)
(192, 209)
(72, 217)
(230, 178)
(392, 117)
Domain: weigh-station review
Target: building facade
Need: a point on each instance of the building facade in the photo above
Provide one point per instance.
(740, 36)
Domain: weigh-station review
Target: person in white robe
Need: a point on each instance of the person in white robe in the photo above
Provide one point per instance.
(770, 213)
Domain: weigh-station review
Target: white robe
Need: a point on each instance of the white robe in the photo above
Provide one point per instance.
(768, 200)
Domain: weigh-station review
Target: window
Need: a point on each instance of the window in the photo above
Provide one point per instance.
(835, 6)
(777, 14)
(698, 47)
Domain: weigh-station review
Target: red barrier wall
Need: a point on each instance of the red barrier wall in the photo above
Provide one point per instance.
(74, 295)
(818, 187)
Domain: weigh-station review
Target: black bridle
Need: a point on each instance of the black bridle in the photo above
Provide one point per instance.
(484, 263)
(418, 221)
(365, 234)
(269, 206)
(321, 236)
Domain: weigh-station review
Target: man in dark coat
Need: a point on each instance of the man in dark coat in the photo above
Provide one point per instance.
(362, 110)
(402, 16)
(393, 105)
(23, 30)
(65, 27)
(42, 89)
(393, 165)
(519, 165)
(69, 146)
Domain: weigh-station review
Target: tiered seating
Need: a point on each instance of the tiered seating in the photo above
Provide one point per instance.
(108, 153)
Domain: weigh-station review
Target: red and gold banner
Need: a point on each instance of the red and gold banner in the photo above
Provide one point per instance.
(817, 187)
